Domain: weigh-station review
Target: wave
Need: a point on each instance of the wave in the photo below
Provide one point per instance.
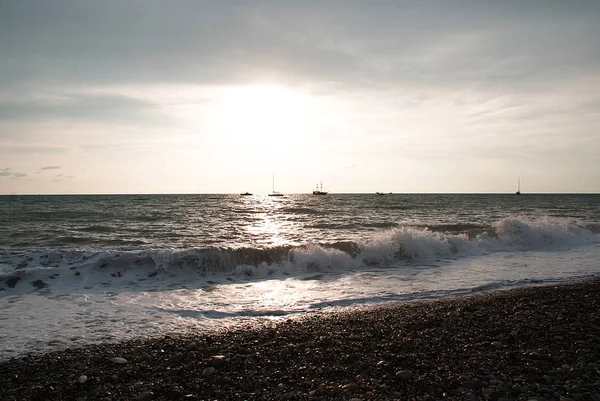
(39, 269)
(96, 228)
(470, 229)
(304, 210)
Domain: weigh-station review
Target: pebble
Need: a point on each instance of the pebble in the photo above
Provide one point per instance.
(350, 386)
(192, 347)
(178, 357)
(82, 379)
(12, 281)
(145, 396)
(118, 360)
(404, 374)
(39, 284)
(497, 344)
(575, 373)
(424, 360)
(218, 361)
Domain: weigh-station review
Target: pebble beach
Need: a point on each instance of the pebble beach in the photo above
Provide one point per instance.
(528, 343)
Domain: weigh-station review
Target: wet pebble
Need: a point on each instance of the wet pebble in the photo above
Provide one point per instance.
(145, 396)
(404, 375)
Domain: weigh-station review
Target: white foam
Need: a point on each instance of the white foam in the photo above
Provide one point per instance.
(72, 271)
(45, 321)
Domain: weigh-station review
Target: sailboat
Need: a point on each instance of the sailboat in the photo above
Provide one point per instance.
(518, 187)
(275, 193)
(319, 191)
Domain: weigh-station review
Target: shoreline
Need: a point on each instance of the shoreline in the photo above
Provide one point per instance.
(538, 342)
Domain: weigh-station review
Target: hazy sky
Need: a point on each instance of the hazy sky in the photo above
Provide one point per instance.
(148, 96)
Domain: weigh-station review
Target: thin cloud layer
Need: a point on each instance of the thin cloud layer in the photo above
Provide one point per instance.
(381, 42)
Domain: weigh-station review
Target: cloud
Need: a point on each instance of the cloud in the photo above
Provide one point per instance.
(208, 42)
(432, 80)
(6, 172)
(28, 149)
(50, 168)
(108, 109)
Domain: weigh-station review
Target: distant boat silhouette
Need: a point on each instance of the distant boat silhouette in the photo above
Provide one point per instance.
(379, 193)
(319, 191)
(245, 194)
(518, 187)
(274, 193)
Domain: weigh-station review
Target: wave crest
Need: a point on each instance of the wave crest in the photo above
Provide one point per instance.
(390, 248)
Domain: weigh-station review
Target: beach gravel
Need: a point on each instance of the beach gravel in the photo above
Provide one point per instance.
(532, 343)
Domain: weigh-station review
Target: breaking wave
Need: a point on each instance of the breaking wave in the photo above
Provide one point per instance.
(39, 269)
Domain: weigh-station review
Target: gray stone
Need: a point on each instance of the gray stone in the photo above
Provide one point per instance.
(404, 375)
(145, 396)
(218, 361)
(12, 281)
(192, 347)
(39, 284)
(575, 373)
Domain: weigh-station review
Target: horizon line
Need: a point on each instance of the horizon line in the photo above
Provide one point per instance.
(293, 193)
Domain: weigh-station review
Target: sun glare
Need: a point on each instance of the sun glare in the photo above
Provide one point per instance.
(265, 117)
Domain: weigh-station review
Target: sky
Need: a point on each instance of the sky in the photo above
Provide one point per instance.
(186, 96)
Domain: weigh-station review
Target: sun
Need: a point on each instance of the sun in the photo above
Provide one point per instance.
(266, 118)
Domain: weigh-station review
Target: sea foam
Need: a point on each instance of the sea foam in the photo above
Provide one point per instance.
(403, 246)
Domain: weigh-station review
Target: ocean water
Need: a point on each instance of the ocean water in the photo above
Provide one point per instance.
(81, 269)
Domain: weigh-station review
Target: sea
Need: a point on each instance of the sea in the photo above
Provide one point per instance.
(82, 269)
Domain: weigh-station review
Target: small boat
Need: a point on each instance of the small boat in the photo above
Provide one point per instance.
(274, 193)
(379, 193)
(518, 187)
(319, 191)
(245, 194)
